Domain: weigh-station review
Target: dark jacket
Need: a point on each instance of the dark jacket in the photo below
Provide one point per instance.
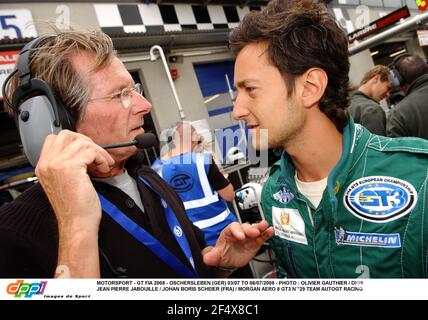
(368, 113)
(29, 234)
(410, 117)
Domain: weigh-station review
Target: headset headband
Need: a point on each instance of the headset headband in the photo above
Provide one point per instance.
(24, 61)
(398, 58)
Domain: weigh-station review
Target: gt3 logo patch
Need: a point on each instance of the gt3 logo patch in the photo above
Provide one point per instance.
(380, 199)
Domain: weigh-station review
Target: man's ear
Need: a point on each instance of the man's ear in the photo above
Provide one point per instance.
(376, 78)
(315, 81)
(404, 88)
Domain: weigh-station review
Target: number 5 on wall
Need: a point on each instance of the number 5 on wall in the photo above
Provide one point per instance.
(5, 25)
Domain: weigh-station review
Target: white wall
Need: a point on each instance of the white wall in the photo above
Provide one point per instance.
(360, 63)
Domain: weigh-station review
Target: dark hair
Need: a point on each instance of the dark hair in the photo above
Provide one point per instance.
(411, 68)
(302, 34)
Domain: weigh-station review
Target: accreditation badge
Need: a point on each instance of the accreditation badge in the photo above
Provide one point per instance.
(289, 224)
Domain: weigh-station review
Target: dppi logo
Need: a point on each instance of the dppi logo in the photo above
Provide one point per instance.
(380, 199)
(182, 182)
(19, 288)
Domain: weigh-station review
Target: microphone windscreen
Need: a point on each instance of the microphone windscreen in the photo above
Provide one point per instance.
(145, 140)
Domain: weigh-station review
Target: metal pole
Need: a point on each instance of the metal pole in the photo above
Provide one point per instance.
(147, 157)
(168, 74)
(155, 153)
(402, 27)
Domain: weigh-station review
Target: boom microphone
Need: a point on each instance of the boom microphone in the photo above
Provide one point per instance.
(141, 141)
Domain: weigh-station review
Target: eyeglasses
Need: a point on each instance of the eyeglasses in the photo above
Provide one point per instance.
(125, 95)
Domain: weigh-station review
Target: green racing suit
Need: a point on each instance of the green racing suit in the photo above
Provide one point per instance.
(372, 220)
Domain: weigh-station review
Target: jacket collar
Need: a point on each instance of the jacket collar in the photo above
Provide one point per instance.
(360, 93)
(419, 82)
(355, 139)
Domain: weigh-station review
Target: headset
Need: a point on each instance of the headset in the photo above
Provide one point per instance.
(170, 137)
(395, 77)
(38, 111)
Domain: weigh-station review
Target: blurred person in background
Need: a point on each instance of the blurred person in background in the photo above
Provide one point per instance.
(409, 118)
(196, 178)
(365, 107)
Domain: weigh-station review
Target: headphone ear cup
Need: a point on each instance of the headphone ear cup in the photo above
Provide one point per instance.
(399, 77)
(40, 113)
(170, 137)
(35, 123)
(395, 79)
(170, 141)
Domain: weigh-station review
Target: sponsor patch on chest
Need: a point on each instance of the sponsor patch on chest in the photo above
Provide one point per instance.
(284, 196)
(380, 199)
(361, 239)
(289, 224)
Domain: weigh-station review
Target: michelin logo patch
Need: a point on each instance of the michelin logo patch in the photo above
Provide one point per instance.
(380, 199)
(367, 239)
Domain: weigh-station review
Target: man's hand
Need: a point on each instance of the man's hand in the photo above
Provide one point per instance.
(238, 244)
(62, 171)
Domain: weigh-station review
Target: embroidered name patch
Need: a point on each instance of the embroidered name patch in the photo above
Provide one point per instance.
(367, 239)
(380, 199)
(288, 224)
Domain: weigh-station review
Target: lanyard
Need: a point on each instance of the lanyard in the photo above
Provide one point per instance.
(175, 227)
(151, 242)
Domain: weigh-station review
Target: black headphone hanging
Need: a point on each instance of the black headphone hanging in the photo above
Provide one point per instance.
(170, 137)
(38, 111)
(395, 77)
